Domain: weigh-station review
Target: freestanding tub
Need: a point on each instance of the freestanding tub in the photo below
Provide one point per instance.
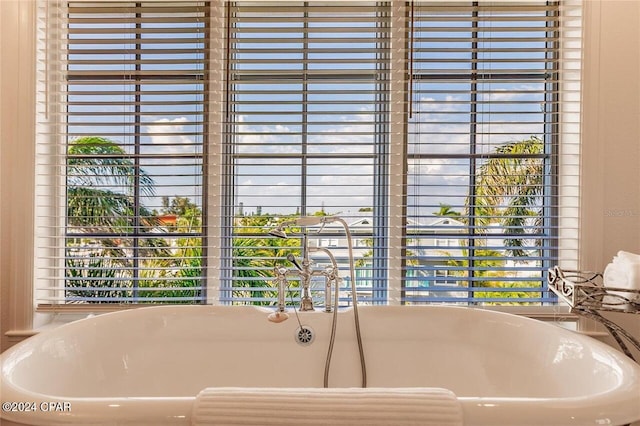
(146, 366)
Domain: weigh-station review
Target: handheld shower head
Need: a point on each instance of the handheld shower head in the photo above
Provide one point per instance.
(278, 231)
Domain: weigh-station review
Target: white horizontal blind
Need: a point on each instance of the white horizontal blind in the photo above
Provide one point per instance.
(420, 148)
(306, 136)
(120, 152)
(492, 150)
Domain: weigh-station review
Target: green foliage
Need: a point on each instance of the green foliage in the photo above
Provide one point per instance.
(509, 189)
(171, 285)
(100, 199)
(181, 206)
(99, 162)
(447, 211)
(255, 255)
(511, 293)
(252, 267)
(100, 185)
(101, 182)
(489, 273)
(178, 274)
(94, 276)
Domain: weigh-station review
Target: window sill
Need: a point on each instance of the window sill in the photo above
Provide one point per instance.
(89, 308)
(20, 334)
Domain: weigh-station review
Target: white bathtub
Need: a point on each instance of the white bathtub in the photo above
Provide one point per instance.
(145, 366)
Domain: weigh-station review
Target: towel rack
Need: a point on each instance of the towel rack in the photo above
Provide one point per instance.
(586, 295)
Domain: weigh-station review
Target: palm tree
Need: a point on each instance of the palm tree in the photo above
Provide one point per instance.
(253, 270)
(446, 211)
(100, 185)
(509, 189)
(101, 182)
(184, 270)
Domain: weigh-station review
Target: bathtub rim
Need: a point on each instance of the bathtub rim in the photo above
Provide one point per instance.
(476, 411)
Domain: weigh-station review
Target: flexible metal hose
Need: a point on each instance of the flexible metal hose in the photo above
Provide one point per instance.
(332, 339)
(354, 300)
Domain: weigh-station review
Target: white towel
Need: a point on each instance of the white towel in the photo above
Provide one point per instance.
(631, 257)
(326, 406)
(623, 273)
(615, 276)
(630, 262)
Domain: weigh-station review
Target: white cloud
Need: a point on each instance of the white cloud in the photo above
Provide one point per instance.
(168, 137)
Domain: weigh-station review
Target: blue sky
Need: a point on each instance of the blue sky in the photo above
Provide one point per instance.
(336, 121)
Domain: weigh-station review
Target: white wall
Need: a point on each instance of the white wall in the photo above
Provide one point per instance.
(611, 150)
(611, 137)
(17, 130)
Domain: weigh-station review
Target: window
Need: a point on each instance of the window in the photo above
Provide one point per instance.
(307, 107)
(484, 144)
(129, 152)
(444, 133)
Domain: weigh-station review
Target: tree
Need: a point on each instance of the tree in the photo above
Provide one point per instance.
(254, 258)
(100, 186)
(179, 278)
(446, 210)
(509, 189)
(101, 212)
(494, 281)
(178, 205)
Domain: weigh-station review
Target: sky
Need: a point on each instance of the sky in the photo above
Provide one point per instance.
(332, 139)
